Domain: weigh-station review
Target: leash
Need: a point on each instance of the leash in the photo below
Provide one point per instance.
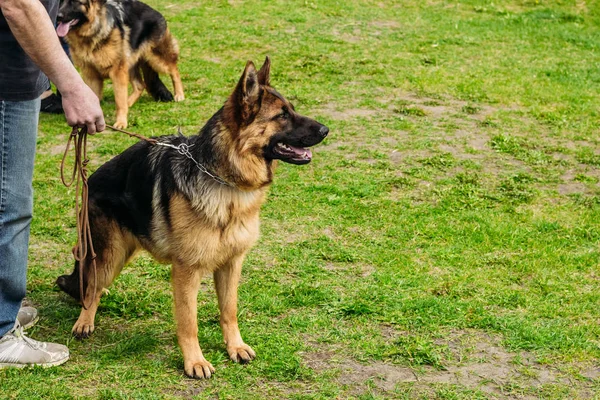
(182, 148)
(149, 140)
(78, 137)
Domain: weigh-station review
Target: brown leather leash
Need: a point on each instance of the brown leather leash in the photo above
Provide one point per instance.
(135, 135)
(78, 138)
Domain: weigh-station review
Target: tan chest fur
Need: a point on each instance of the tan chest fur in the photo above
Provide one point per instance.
(213, 231)
(102, 56)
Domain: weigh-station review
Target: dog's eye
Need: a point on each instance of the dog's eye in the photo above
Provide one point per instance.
(284, 114)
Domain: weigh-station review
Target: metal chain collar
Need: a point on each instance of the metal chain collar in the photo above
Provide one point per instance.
(184, 149)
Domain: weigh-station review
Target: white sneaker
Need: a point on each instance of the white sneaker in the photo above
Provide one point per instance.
(27, 317)
(18, 351)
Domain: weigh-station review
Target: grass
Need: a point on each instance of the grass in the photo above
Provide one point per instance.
(448, 225)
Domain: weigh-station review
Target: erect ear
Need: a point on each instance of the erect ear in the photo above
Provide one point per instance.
(247, 91)
(265, 72)
(248, 84)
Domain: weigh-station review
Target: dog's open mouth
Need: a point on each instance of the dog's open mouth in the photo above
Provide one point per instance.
(63, 27)
(292, 154)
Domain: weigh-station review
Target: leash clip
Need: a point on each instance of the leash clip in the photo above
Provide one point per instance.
(183, 149)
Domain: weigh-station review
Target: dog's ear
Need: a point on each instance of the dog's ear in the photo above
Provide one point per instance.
(247, 91)
(264, 73)
(249, 83)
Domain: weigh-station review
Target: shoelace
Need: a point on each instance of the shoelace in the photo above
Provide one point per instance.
(19, 333)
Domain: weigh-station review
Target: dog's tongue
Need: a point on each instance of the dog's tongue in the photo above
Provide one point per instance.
(293, 151)
(63, 28)
(302, 151)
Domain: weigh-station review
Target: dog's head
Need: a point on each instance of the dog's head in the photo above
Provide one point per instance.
(72, 14)
(266, 123)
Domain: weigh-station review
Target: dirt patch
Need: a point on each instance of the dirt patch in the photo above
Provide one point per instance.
(56, 149)
(366, 270)
(479, 143)
(50, 254)
(361, 271)
(330, 145)
(214, 60)
(474, 360)
(467, 132)
(318, 361)
(193, 389)
(454, 150)
(592, 373)
(180, 7)
(571, 188)
(347, 114)
(353, 38)
(385, 24)
(395, 157)
(384, 376)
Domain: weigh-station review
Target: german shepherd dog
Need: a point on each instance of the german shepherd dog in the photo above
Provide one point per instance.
(153, 197)
(121, 40)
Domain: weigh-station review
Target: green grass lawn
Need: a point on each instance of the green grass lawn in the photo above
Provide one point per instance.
(443, 243)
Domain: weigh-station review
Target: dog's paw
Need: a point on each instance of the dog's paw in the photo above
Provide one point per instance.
(120, 124)
(82, 330)
(179, 97)
(241, 354)
(199, 370)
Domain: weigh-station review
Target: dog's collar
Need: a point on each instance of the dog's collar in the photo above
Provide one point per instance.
(184, 149)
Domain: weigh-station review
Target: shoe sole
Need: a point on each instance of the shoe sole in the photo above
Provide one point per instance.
(44, 365)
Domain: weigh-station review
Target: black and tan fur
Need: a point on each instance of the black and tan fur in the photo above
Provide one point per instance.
(121, 40)
(151, 197)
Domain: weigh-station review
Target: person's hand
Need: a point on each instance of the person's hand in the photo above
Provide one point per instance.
(82, 108)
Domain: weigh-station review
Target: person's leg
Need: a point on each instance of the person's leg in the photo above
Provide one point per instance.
(51, 103)
(18, 131)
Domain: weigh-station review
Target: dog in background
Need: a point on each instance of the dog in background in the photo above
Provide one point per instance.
(200, 220)
(121, 40)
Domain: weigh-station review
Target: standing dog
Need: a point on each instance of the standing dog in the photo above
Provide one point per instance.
(201, 221)
(121, 40)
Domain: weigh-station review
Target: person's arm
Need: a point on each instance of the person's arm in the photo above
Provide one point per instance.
(31, 26)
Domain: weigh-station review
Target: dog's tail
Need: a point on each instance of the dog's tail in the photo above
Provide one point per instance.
(70, 283)
(154, 85)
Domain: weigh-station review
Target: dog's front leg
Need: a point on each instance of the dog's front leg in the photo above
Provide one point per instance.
(186, 282)
(84, 326)
(93, 79)
(227, 279)
(120, 78)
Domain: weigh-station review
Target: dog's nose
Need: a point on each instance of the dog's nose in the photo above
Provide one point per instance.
(323, 131)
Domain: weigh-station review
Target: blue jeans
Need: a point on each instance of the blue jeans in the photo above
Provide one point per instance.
(18, 132)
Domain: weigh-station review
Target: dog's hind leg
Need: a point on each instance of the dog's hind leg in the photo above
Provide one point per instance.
(186, 282)
(227, 278)
(177, 85)
(135, 78)
(163, 59)
(154, 85)
(117, 250)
